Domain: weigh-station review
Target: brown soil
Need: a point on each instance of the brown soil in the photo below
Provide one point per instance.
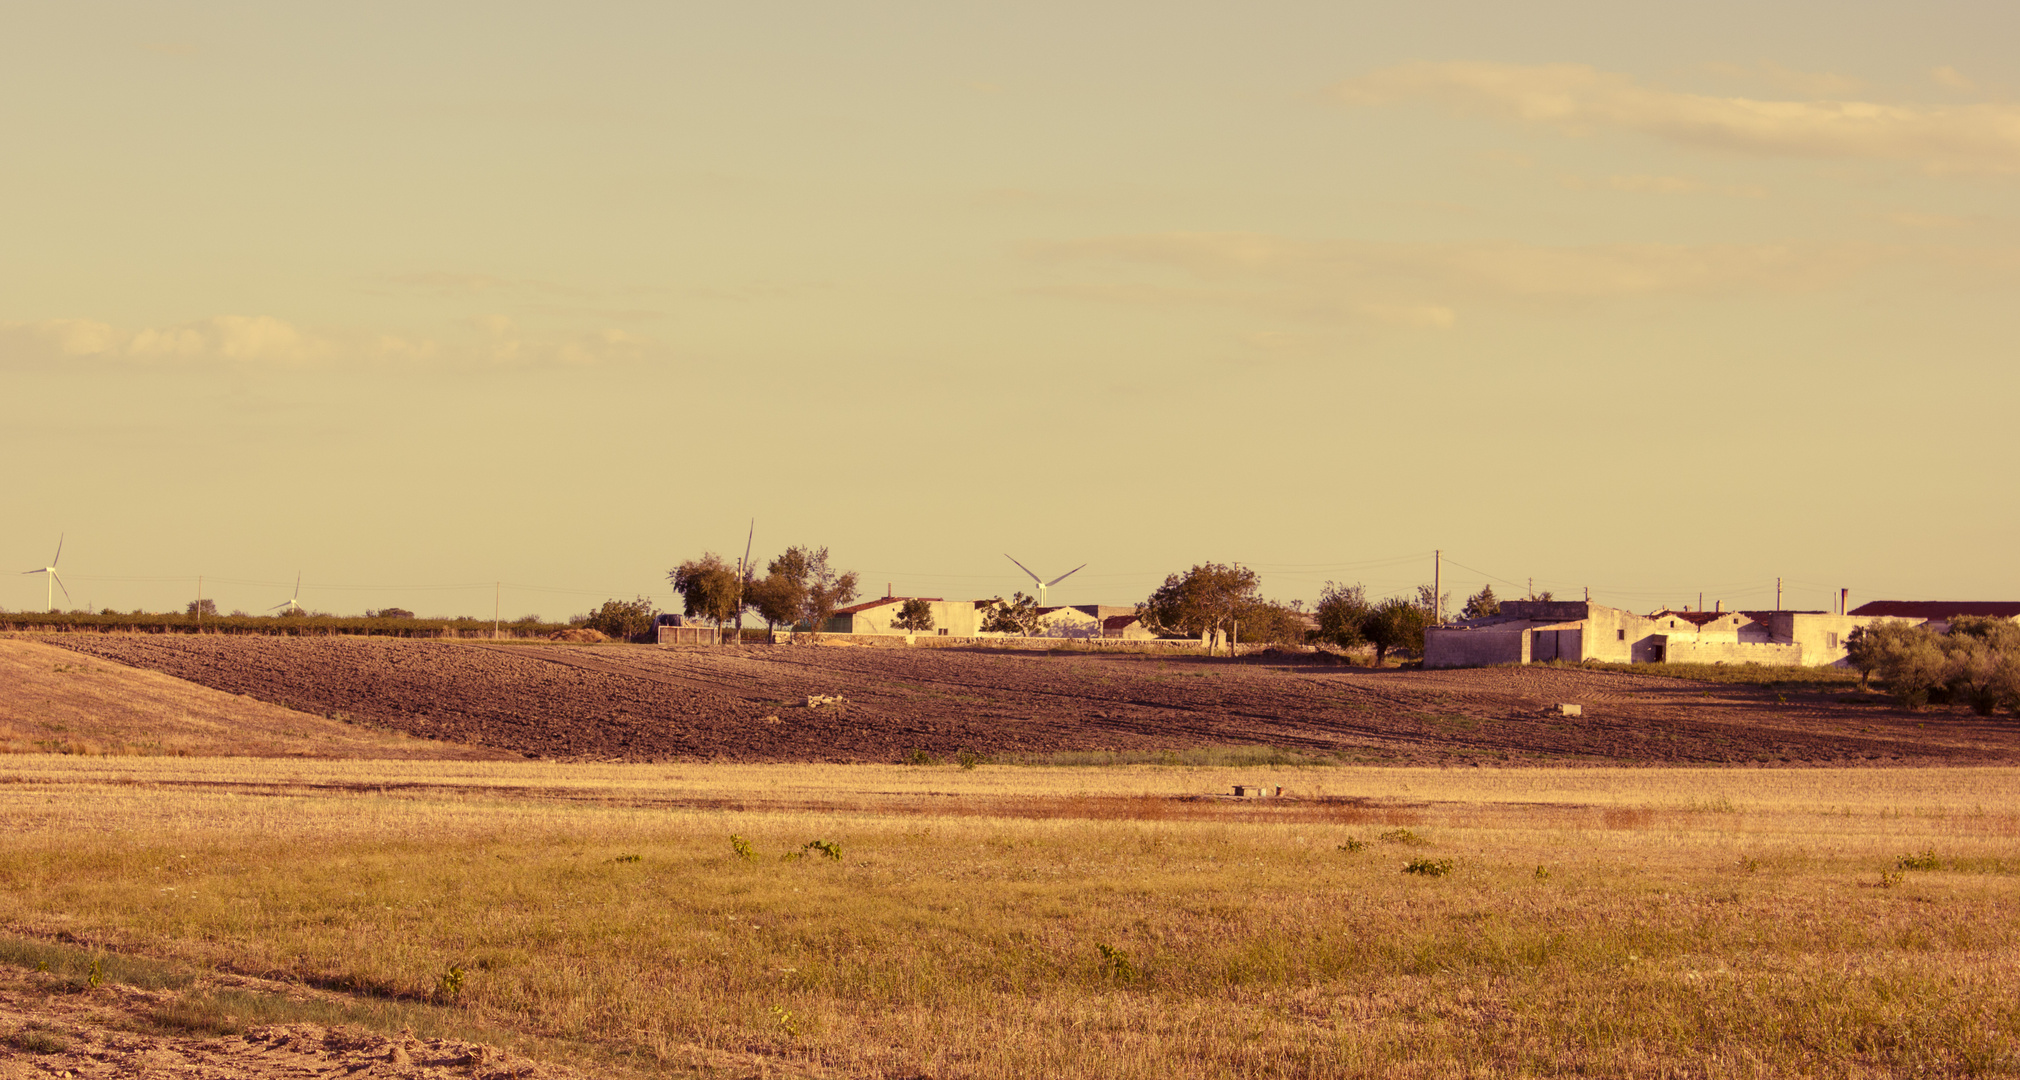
(116, 1031)
(54, 701)
(751, 703)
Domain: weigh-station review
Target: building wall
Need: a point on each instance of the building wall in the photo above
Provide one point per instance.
(951, 618)
(1459, 646)
(1785, 654)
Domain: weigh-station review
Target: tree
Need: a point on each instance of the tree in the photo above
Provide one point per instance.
(1863, 648)
(1394, 623)
(914, 615)
(1340, 611)
(1266, 623)
(1203, 601)
(815, 588)
(776, 599)
(709, 588)
(1482, 605)
(1433, 604)
(622, 620)
(205, 608)
(384, 613)
(1019, 615)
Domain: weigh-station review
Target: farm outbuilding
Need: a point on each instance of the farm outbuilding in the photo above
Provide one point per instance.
(1536, 631)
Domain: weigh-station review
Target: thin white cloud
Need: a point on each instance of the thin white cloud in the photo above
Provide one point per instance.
(264, 341)
(1579, 99)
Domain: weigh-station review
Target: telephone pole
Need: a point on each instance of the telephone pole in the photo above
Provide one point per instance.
(1437, 584)
(497, 603)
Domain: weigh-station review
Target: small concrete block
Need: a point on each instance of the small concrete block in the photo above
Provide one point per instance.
(1571, 710)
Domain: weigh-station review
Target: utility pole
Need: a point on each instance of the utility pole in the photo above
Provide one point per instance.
(199, 603)
(1437, 584)
(497, 603)
(743, 572)
(1532, 588)
(1778, 594)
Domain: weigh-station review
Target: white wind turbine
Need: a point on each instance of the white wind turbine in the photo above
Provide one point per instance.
(1042, 583)
(294, 602)
(55, 579)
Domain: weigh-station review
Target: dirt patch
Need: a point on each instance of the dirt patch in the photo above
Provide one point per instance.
(55, 701)
(749, 703)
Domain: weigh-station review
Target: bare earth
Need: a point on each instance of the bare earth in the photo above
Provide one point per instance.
(54, 701)
(645, 703)
(107, 1032)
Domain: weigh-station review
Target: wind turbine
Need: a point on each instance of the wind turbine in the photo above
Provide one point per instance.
(1042, 583)
(293, 603)
(55, 579)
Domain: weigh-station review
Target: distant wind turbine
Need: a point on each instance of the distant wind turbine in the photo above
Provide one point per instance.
(1042, 583)
(293, 603)
(55, 580)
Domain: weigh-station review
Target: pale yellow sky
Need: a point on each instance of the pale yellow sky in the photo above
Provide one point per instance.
(419, 296)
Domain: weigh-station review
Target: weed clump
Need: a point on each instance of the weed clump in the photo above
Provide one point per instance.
(742, 847)
(1353, 845)
(1404, 837)
(826, 847)
(37, 1038)
(449, 984)
(1925, 861)
(1429, 867)
(1116, 964)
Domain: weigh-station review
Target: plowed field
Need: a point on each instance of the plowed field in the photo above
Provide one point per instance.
(644, 703)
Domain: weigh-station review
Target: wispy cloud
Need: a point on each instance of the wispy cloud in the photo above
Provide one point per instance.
(1429, 284)
(1578, 99)
(264, 341)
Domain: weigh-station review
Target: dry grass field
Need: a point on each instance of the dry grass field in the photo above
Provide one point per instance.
(1023, 921)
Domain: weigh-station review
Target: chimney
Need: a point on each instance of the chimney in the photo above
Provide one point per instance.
(1844, 601)
(887, 590)
(1718, 605)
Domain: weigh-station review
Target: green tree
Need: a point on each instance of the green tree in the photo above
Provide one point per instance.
(1270, 623)
(1340, 611)
(1394, 623)
(815, 588)
(206, 608)
(1433, 604)
(385, 613)
(1482, 605)
(914, 615)
(1204, 600)
(1019, 615)
(709, 588)
(622, 620)
(776, 599)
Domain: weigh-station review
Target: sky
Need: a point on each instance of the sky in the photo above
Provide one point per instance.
(410, 300)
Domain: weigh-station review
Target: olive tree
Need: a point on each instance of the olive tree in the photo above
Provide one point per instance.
(1339, 612)
(914, 615)
(622, 620)
(1018, 615)
(807, 586)
(1205, 600)
(709, 588)
(1394, 623)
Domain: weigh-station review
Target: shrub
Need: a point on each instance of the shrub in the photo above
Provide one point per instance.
(1428, 867)
(622, 620)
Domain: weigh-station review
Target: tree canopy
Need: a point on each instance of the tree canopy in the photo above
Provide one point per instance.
(1394, 623)
(815, 588)
(622, 620)
(914, 615)
(1481, 605)
(1340, 611)
(709, 588)
(1018, 615)
(1204, 600)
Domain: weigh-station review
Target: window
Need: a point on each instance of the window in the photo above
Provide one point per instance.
(1621, 635)
(1832, 637)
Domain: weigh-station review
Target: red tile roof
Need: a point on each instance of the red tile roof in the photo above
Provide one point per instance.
(1117, 622)
(1938, 609)
(1697, 618)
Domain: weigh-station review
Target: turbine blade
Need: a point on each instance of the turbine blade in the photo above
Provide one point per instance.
(1024, 568)
(1066, 575)
(298, 586)
(60, 584)
(59, 549)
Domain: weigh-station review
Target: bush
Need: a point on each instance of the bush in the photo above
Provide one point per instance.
(622, 620)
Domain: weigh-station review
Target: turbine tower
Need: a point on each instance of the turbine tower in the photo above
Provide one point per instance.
(294, 602)
(1041, 582)
(55, 580)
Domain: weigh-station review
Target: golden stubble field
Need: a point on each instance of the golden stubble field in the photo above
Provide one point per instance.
(1022, 921)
